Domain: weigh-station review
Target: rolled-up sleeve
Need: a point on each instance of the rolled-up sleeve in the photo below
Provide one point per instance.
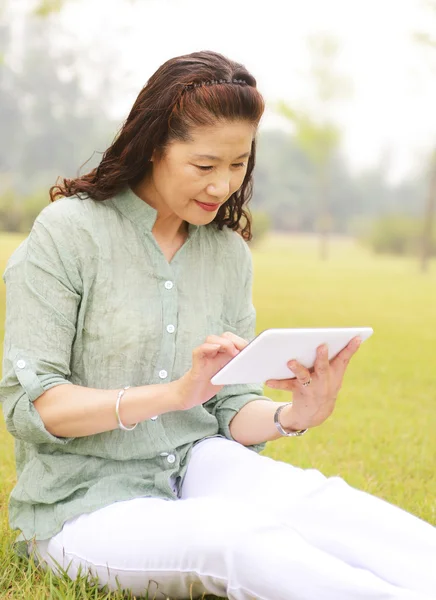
(231, 398)
(42, 299)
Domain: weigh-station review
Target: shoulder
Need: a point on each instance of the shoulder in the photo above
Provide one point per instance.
(72, 211)
(230, 244)
(75, 226)
(17, 257)
(64, 227)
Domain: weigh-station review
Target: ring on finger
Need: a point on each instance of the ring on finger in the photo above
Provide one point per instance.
(306, 383)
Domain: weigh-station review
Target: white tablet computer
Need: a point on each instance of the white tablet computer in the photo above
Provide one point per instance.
(267, 355)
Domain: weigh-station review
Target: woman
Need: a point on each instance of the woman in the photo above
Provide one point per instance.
(130, 292)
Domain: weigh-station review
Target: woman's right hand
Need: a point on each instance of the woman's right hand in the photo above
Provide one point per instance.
(195, 388)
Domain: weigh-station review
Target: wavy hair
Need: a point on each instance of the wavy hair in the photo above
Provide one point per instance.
(176, 98)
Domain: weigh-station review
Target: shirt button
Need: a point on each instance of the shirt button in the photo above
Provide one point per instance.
(21, 364)
(169, 284)
(171, 328)
(171, 459)
(153, 418)
(163, 374)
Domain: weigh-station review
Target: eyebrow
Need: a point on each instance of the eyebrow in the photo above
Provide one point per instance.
(211, 157)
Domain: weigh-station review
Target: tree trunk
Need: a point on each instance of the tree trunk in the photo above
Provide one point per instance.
(430, 209)
(324, 219)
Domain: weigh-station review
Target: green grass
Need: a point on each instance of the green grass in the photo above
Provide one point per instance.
(380, 437)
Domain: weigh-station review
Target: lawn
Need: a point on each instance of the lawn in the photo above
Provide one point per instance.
(381, 437)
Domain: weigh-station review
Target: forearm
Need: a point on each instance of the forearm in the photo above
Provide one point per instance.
(254, 423)
(76, 411)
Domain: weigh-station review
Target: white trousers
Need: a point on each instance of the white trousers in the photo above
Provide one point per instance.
(250, 527)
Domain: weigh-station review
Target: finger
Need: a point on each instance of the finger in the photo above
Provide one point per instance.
(206, 350)
(322, 360)
(301, 373)
(289, 385)
(226, 345)
(239, 342)
(344, 356)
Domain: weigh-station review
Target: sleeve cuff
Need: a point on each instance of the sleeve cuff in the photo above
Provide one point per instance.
(231, 407)
(22, 419)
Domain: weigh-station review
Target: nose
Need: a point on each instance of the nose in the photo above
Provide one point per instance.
(219, 188)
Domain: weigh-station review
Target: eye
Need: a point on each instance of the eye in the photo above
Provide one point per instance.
(237, 165)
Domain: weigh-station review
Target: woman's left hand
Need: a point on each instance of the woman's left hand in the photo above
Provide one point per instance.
(314, 393)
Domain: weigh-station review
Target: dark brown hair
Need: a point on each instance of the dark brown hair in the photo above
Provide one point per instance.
(174, 100)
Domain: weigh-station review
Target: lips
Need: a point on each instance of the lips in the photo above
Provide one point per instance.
(208, 207)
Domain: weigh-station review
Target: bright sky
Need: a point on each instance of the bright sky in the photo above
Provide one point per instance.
(390, 115)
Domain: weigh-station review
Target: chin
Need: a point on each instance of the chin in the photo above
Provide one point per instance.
(205, 220)
(197, 216)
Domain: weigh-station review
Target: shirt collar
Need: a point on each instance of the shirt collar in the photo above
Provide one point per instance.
(140, 212)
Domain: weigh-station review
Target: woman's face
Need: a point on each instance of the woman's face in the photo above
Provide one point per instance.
(201, 172)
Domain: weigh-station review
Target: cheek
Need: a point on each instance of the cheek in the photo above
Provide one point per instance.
(188, 183)
(238, 180)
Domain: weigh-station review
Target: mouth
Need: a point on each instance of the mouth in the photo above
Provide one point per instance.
(208, 207)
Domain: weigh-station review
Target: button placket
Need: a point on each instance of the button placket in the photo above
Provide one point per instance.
(170, 328)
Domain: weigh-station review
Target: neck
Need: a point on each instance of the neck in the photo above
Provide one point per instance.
(168, 227)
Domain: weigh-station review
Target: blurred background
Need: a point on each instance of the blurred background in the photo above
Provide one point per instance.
(344, 197)
(347, 144)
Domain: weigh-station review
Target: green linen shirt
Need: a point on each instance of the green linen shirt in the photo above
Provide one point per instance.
(92, 301)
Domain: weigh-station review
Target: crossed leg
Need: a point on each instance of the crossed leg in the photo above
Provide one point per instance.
(357, 528)
(247, 527)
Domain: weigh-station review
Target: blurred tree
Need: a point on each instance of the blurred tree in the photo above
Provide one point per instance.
(319, 137)
(318, 141)
(50, 125)
(429, 215)
(283, 182)
(284, 187)
(10, 115)
(261, 225)
(428, 41)
(396, 234)
(46, 119)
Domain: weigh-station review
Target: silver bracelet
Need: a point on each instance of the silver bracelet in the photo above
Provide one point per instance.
(117, 409)
(280, 428)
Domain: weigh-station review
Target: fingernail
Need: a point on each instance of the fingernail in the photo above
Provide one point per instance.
(292, 363)
(358, 341)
